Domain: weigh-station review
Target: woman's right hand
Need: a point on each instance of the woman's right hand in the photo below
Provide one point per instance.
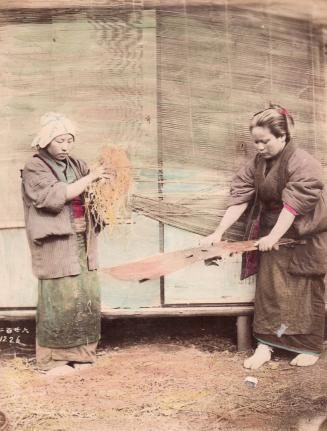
(100, 171)
(210, 239)
(97, 172)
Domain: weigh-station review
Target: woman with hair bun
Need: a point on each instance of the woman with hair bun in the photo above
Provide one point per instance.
(282, 187)
(62, 239)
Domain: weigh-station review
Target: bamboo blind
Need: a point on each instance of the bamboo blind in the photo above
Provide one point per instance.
(215, 65)
(98, 67)
(218, 66)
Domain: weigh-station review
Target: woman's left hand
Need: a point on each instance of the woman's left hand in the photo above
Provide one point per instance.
(267, 243)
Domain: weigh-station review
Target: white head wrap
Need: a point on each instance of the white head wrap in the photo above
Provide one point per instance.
(52, 124)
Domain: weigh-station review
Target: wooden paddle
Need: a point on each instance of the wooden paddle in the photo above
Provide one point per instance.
(165, 263)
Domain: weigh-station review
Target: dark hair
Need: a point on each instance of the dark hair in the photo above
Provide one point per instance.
(277, 119)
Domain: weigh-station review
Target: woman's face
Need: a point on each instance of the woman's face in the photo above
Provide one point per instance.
(60, 147)
(266, 143)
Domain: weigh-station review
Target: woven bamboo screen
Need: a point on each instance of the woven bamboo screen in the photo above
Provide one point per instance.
(96, 66)
(218, 66)
(215, 65)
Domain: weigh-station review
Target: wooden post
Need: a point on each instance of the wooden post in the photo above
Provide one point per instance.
(243, 333)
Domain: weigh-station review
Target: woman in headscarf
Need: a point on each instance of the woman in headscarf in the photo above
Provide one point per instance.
(283, 189)
(62, 239)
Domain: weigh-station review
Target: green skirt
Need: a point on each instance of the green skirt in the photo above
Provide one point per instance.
(69, 308)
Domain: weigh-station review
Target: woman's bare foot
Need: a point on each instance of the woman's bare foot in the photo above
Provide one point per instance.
(62, 370)
(304, 360)
(80, 366)
(261, 355)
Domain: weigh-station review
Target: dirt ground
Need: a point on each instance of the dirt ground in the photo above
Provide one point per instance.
(164, 375)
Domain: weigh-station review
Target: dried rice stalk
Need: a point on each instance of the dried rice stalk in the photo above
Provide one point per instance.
(106, 200)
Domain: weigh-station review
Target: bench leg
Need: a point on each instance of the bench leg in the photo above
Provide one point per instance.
(244, 333)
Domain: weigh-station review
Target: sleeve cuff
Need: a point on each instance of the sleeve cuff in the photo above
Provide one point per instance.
(291, 210)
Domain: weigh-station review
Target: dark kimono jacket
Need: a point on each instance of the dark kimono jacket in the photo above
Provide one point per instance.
(48, 217)
(299, 184)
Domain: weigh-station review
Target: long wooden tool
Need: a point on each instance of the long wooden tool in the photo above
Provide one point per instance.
(156, 266)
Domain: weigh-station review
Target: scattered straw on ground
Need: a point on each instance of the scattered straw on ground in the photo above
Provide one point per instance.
(162, 387)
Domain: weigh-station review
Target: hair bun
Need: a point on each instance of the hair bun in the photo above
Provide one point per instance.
(275, 106)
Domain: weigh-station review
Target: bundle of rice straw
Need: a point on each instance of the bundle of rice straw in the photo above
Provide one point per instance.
(106, 199)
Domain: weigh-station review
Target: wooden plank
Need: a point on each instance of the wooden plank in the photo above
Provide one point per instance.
(110, 313)
(178, 311)
(17, 314)
(159, 265)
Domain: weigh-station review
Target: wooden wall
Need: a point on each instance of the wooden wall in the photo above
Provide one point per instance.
(175, 86)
